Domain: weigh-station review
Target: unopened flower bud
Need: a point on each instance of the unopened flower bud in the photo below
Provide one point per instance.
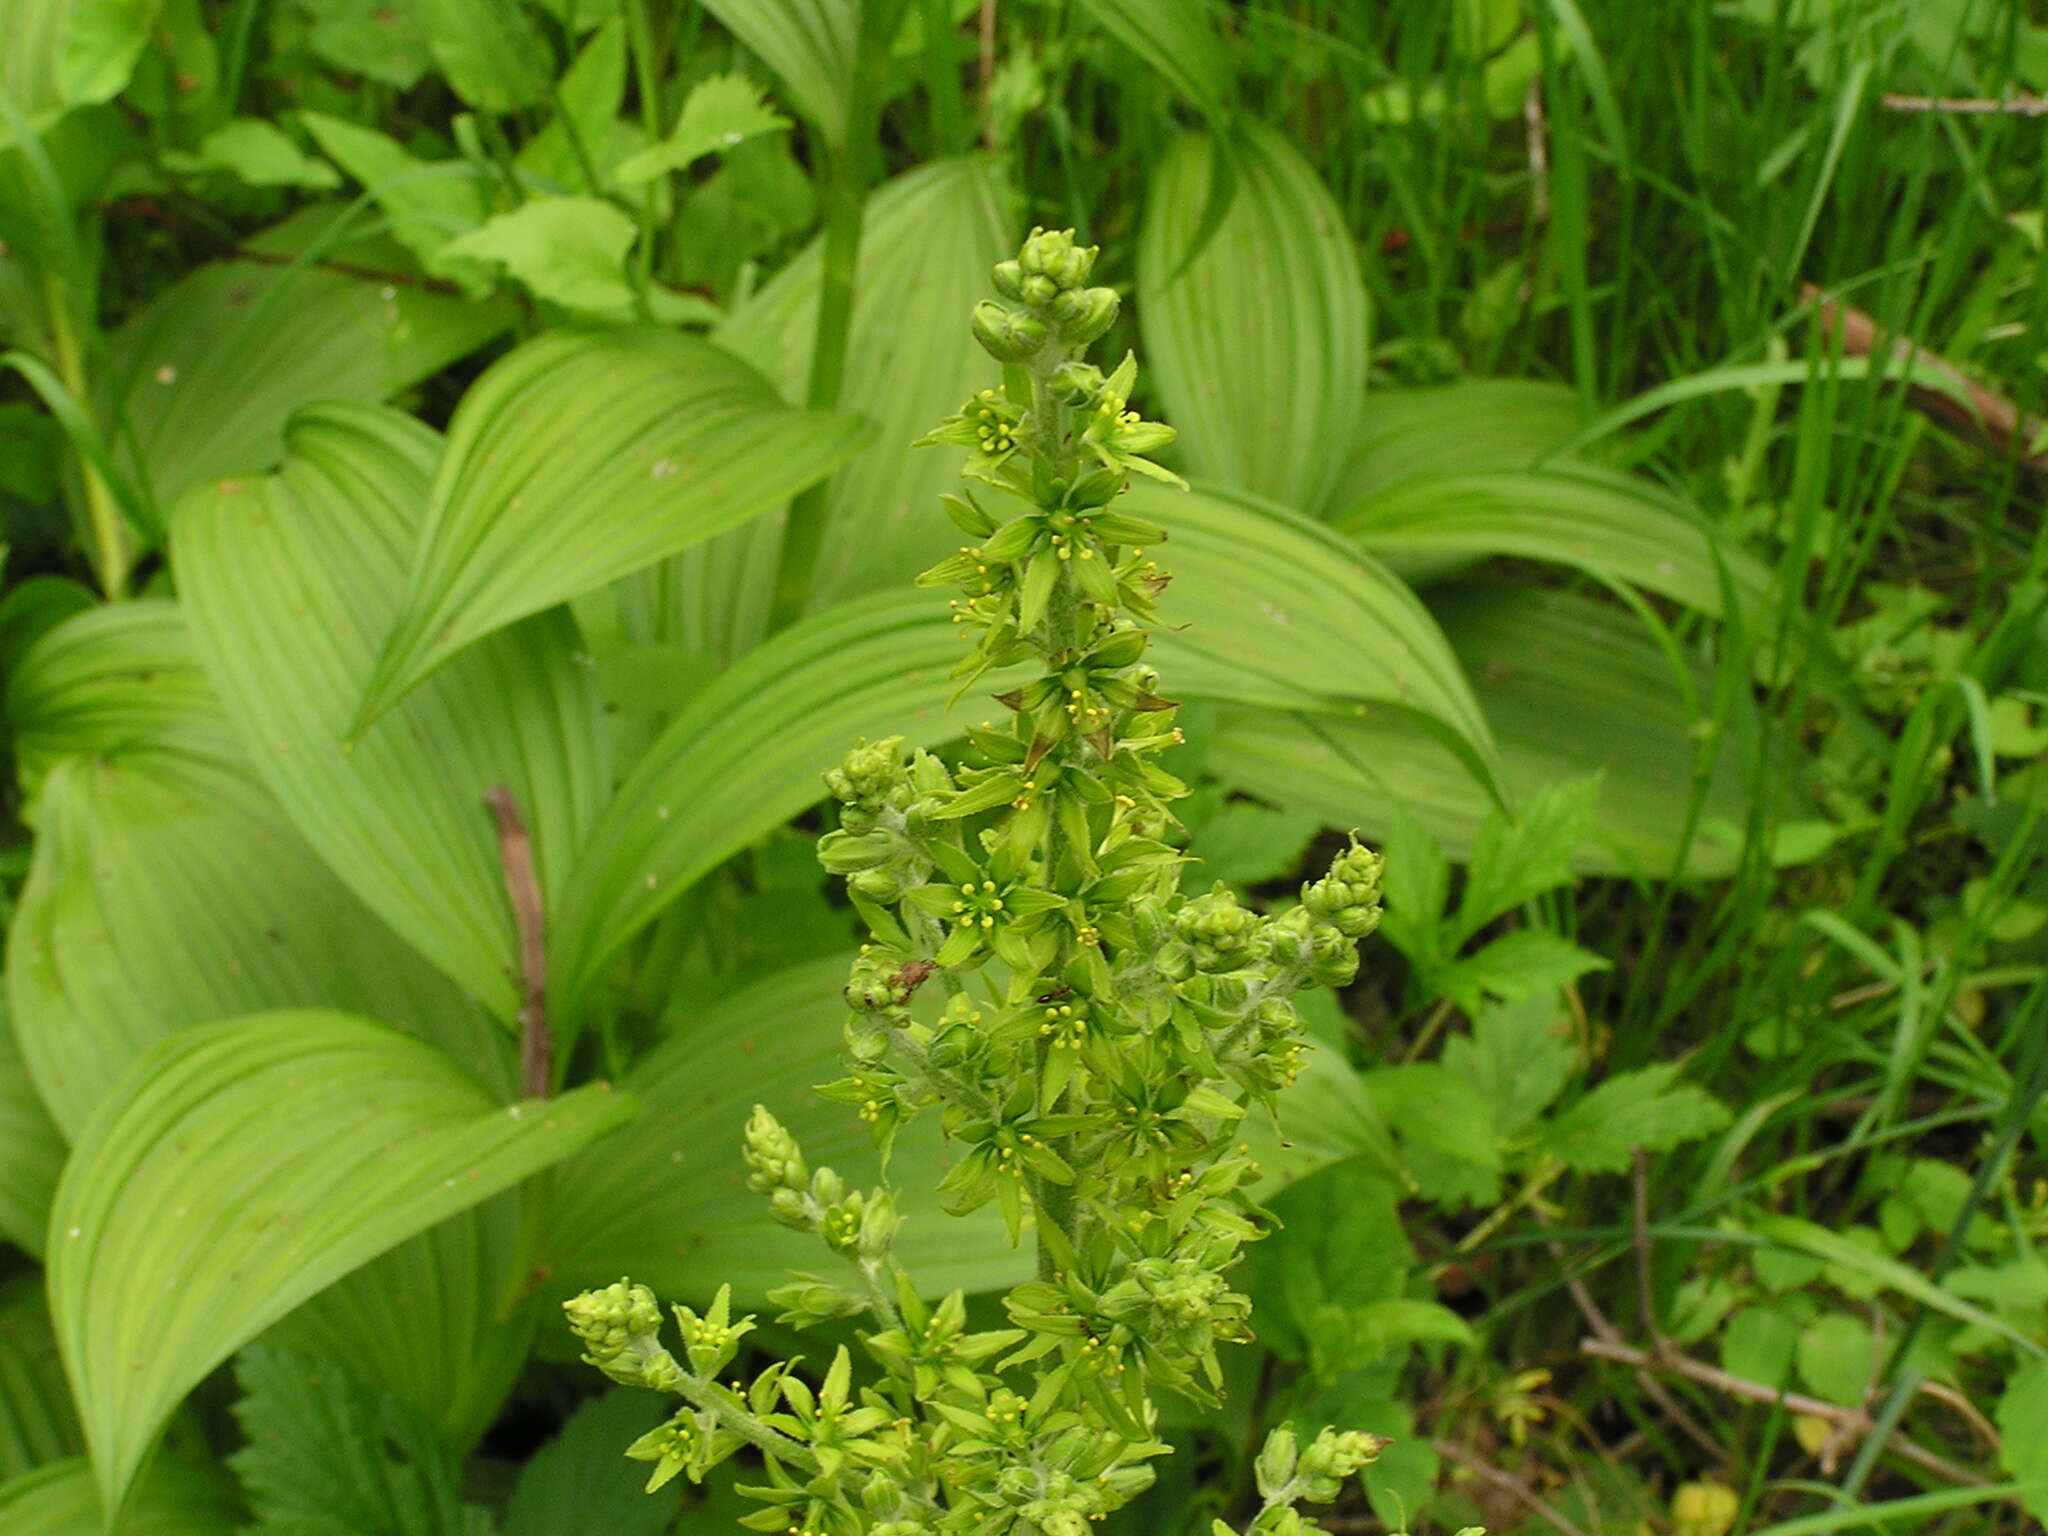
(1006, 334)
(1008, 279)
(774, 1161)
(1085, 313)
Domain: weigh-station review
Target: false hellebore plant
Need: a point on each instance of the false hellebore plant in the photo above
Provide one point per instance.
(1100, 1039)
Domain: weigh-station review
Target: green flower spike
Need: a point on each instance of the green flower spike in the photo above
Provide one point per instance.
(1088, 1037)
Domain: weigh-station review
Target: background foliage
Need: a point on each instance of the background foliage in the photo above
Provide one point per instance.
(410, 400)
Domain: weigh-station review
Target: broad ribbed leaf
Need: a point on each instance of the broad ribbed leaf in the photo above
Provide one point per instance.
(927, 242)
(1277, 605)
(31, 1151)
(1257, 347)
(166, 886)
(422, 1321)
(38, 1425)
(211, 369)
(666, 1200)
(1616, 526)
(1177, 39)
(1570, 687)
(243, 1166)
(746, 755)
(1269, 608)
(111, 680)
(175, 1499)
(291, 583)
(582, 457)
(810, 46)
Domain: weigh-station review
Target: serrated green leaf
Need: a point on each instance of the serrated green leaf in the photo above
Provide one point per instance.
(490, 50)
(1518, 1058)
(1570, 687)
(1177, 39)
(928, 239)
(1838, 1357)
(1618, 527)
(1249, 844)
(1530, 962)
(1257, 347)
(38, 1425)
(260, 154)
(809, 44)
(1450, 1138)
(1630, 1110)
(580, 458)
(425, 203)
(175, 1498)
(211, 369)
(719, 112)
(579, 1483)
(291, 583)
(241, 1167)
(325, 1453)
(569, 251)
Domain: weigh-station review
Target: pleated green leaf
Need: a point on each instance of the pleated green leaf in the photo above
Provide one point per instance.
(31, 1151)
(38, 1425)
(243, 1166)
(422, 1322)
(927, 242)
(582, 457)
(1468, 426)
(1276, 604)
(1268, 608)
(666, 1199)
(211, 369)
(810, 46)
(1178, 40)
(291, 583)
(747, 754)
(1616, 526)
(176, 1498)
(110, 680)
(1257, 347)
(166, 886)
(1570, 686)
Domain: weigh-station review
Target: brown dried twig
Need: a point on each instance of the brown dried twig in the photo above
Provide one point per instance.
(1853, 1422)
(1966, 404)
(1507, 1483)
(515, 852)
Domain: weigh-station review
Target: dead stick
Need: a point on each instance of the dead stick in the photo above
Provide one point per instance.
(1988, 413)
(1854, 1419)
(2025, 104)
(1507, 1483)
(515, 852)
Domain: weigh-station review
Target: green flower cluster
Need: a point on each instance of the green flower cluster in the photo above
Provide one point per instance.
(1089, 1037)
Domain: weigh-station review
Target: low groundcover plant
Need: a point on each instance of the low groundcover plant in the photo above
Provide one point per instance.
(1101, 1037)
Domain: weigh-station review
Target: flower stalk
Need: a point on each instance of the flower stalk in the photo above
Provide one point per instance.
(1088, 1036)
